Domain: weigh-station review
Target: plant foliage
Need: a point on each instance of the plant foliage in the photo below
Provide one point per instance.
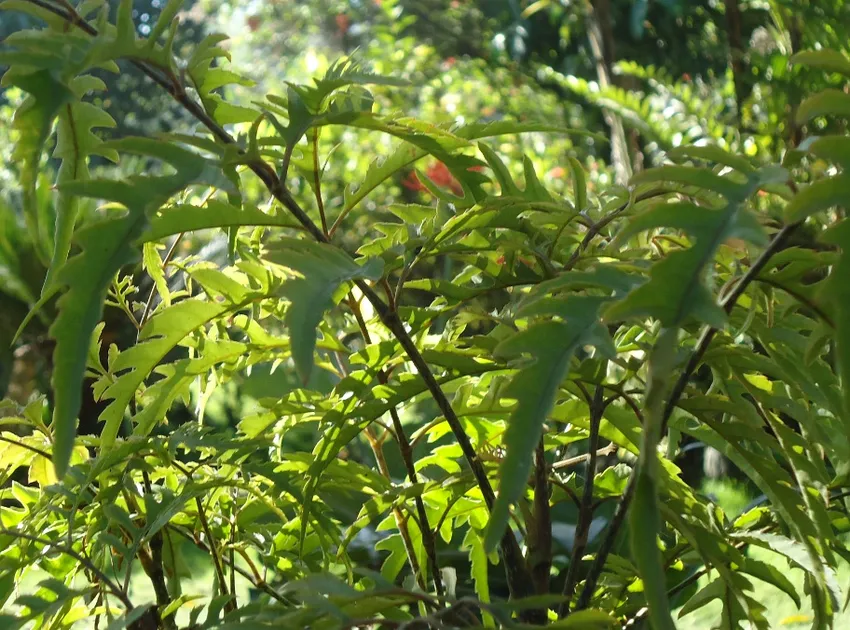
(435, 422)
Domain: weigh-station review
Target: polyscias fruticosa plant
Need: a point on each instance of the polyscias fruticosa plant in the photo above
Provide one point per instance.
(562, 323)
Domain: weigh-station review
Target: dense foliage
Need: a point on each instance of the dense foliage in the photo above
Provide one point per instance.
(463, 359)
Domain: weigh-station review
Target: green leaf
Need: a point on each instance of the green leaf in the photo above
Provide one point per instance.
(128, 618)
(707, 594)
(676, 290)
(833, 148)
(818, 196)
(407, 153)
(551, 344)
(714, 154)
(643, 517)
(826, 59)
(106, 246)
(588, 619)
(827, 103)
(479, 571)
(214, 214)
(772, 575)
(695, 220)
(837, 294)
(75, 142)
(33, 121)
(322, 269)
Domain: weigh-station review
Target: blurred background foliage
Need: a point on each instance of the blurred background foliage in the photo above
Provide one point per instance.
(641, 76)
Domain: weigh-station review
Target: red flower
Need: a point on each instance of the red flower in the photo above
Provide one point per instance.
(342, 23)
(411, 182)
(439, 174)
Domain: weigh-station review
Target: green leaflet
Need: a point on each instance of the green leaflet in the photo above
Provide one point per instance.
(75, 141)
(214, 214)
(826, 103)
(676, 289)
(480, 566)
(323, 269)
(837, 294)
(406, 153)
(643, 517)
(826, 60)
(162, 332)
(106, 246)
(818, 196)
(551, 345)
(33, 122)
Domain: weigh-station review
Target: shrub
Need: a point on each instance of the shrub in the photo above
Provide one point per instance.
(607, 324)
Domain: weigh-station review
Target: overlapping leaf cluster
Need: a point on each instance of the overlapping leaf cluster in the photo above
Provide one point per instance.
(562, 330)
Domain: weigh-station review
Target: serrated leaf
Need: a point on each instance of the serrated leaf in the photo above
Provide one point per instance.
(33, 121)
(75, 142)
(833, 148)
(551, 344)
(707, 594)
(406, 154)
(215, 214)
(695, 220)
(714, 154)
(772, 575)
(645, 523)
(676, 289)
(106, 246)
(323, 270)
(473, 543)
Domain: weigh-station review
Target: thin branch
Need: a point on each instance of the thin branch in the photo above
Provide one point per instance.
(578, 459)
(400, 522)
(156, 571)
(539, 552)
(607, 544)
(317, 181)
(104, 579)
(428, 536)
(216, 558)
(585, 516)
(728, 304)
(255, 579)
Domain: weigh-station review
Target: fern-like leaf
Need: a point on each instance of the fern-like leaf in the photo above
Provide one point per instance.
(106, 246)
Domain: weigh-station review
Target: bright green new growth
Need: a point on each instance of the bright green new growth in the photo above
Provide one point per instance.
(429, 383)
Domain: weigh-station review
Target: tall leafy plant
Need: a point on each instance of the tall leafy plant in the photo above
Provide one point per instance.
(560, 325)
